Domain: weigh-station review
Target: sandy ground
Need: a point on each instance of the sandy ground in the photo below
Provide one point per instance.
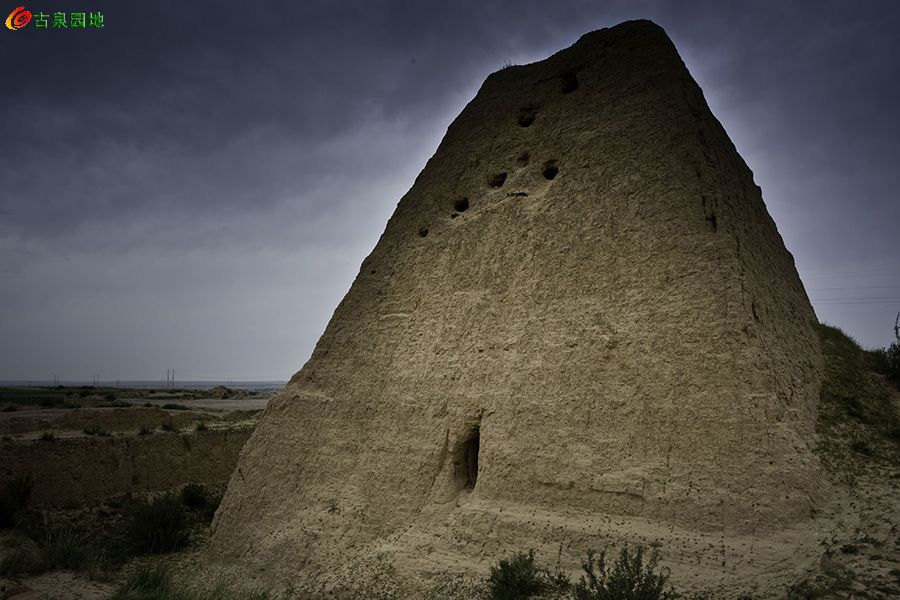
(58, 585)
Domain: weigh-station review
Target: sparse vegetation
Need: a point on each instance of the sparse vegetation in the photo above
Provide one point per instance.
(115, 404)
(65, 548)
(145, 430)
(48, 436)
(630, 578)
(95, 429)
(194, 495)
(159, 525)
(833, 580)
(516, 578)
(886, 362)
(173, 406)
(168, 425)
(855, 411)
(16, 560)
(156, 582)
(633, 576)
(146, 581)
(201, 426)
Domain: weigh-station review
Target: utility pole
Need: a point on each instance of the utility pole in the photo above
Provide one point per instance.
(897, 327)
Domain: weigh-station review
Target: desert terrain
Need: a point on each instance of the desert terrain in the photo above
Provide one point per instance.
(77, 533)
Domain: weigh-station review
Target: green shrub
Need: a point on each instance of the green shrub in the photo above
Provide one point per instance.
(48, 436)
(173, 406)
(146, 581)
(95, 429)
(115, 403)
(630, 578)
(194, 495)
(201, 426)
(159, 525)
(168, 425)
(516, 578)
(145, 430)
(10, 408)
(15, 561)
(851, 389)
(64, 548)
(886, 361)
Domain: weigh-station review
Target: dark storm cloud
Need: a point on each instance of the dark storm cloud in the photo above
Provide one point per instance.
(249, 155)
(197, 108)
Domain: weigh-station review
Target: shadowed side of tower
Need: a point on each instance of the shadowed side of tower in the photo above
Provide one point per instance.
(580, 307)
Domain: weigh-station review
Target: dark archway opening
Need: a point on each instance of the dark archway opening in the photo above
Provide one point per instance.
(467, 460)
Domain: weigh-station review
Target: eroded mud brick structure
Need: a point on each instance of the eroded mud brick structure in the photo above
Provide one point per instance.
(581, 311)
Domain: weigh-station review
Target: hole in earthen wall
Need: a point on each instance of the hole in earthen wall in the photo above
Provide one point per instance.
(569, 83)
(523, 159)
(527, 115)
(497, 180)
(423, 231)
(709, 213)
(467, 460)
(461, 205)
(550, 170)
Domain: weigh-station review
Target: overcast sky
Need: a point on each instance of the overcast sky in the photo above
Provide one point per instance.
(195, 185)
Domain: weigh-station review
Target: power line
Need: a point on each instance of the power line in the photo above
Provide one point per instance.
(855, 287)
(862, 301)
(838, 274)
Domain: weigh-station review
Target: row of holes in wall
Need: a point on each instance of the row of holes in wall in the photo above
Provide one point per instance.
(527, 116)
(461, 205)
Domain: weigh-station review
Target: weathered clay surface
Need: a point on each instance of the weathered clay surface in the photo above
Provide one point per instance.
(583, 284)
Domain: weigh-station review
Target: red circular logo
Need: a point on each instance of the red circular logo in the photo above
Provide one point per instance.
(18, 18)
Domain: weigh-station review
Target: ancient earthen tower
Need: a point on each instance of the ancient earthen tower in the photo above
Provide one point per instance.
(581, 311)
